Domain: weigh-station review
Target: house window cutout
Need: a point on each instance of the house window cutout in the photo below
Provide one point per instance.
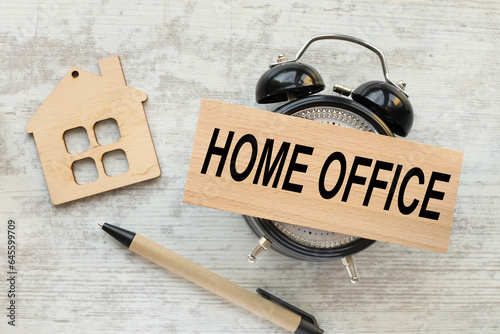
(107, 131)
(115, 162)
(76, 140)
(85, 171)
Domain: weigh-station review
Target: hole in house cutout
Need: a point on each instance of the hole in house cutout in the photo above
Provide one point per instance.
(75, 74)
(107, 131)
(115, 162)
(76, 140)
(85, 171)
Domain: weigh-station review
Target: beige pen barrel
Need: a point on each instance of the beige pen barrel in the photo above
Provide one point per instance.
(215, 283)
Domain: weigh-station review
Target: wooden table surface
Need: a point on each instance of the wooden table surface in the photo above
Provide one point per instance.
(72, 278)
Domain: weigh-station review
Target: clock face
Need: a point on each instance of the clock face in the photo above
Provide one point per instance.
(336, 116)
(309, 236)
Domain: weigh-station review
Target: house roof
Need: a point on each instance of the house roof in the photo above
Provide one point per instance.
(79, 91)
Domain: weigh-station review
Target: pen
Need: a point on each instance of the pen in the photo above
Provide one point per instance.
(264, 305)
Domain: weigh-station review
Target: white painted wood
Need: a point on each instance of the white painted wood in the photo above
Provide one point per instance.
(73, 278)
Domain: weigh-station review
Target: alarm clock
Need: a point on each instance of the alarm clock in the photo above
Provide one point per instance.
(380, 107)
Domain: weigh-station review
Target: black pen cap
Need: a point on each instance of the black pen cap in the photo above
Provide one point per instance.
(122, 235)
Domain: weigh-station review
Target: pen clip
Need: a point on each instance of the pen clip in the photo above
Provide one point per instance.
(308, 324)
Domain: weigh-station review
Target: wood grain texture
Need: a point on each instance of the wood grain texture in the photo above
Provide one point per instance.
(73, 279)
(224, 125)
(82, 99)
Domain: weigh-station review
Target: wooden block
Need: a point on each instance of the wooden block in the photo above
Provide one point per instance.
(327, 177)
(82, 99)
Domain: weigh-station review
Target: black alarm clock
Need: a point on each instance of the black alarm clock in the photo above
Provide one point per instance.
(380, 107)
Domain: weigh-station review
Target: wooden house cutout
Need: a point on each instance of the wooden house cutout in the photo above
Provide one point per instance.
(81, 100)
